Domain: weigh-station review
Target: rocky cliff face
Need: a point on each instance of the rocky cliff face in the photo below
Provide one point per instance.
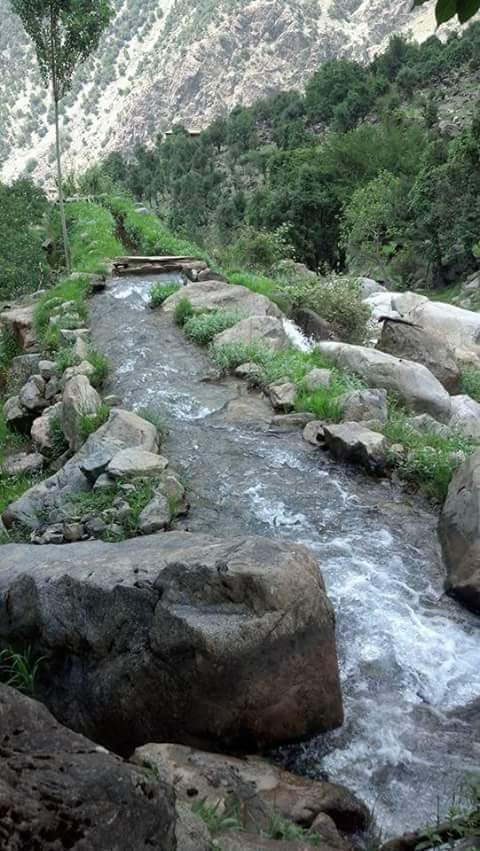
(168, 61)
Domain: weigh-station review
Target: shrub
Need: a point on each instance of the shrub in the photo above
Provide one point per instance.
(160, 292)
(337, 300)
(203, 327)
(57, 438)
(100, 365)
(9, 349)
(231, 355)
(19, 670)
(183, 311)
(23, 267)
(65, 358)
(155, 419)
(258, 249)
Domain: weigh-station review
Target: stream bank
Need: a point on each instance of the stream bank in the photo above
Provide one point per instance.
(408, 653)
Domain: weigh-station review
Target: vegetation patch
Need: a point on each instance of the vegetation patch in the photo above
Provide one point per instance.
(336, 299)
(19, 670)
(95, 502)
(260, 284)
(471, 383)
(23, 215)
(183, 311)
(92, 236)
(71, 291)
(217, 821)
(203, 327)
(9, 349)
(90, 423)
(160, 292)
(429, 459)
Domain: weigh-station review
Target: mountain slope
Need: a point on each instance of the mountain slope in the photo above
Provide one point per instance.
(166, 61)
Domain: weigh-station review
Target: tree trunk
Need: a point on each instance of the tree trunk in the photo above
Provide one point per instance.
(56, 98)
(61, 204)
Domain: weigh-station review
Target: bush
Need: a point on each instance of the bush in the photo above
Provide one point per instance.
(258, 249)
(160, 292)
(203, 327)
(322, 402)
(337, 300)
(89, 423)
(183, 311)
(100, 365)
(23, 267)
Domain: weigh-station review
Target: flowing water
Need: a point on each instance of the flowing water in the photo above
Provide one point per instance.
(409, 655)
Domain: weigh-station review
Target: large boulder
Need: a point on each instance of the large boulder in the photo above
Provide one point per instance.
(22, 368)
(458, 328)
(252, 786)
(16, 416)
(412, 382)
(19, 322)
(41, 431)
(353, 442)
(43, 503)
(32, 395)
(212, 295)
(465, 416)
(129, 463)
(364, 405)
(405, 340)
(265, 330)
(59, 790)
(79, 399)
(460, 533)
(177, 637)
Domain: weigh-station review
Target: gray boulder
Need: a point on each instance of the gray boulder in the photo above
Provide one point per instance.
(59, 790)
(19, 322)
(465, 416)
(368, 287)
(47, 499)
(242, 630)
(425, 423)
(265, 330)
(47, 369)
(83, 368)
(211, 295)
(314, 433)
(412, 382)
(41, 431)
(129, 463)
(364, 405)
(353, 442)
(79, 400)
(313, 325)
(422, 346)
(460, 533)
(16, 416)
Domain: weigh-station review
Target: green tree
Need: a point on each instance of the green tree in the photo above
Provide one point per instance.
(64, 34)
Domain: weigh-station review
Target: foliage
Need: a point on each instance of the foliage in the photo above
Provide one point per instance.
(89, 423)
(160, 292)
(23, 267)
(9, 349)
(258, 249)
(59, 443)
(183, 312)
(67, 290)
(471, 383)
(446, 9)
(430, 459)
(322, 402)
(155, 419)
(95, 502)
(100, 365)
(19, 670)
(337, 300)
(216, 821)
(92, 234)
(203, 327)
(281, 829)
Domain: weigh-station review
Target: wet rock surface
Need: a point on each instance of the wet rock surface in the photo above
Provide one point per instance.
(59, 790)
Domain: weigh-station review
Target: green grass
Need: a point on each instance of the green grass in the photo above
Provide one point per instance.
(65, 358)
(95, 502)
(280, 829)
(67, 290)
(430, 461)
(471, 383)
(322, 402)
(155, 419)
(203, 327)
(9, 349)
(100, 365)
(160, 292)
(89, 423)
(58, 439)
(216, 821)
(183, 311)
(19, 670)
(147, 232)
(93, 239)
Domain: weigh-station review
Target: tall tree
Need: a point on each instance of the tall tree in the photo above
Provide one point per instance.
(64, 34)
(446, 9)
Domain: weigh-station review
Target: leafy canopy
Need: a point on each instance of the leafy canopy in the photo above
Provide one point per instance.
(447, 9)
(64, 33)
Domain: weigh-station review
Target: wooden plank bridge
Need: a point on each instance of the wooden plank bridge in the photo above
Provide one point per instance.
(143, 265)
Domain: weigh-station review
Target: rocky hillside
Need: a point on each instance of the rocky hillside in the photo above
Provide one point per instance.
(164, 61)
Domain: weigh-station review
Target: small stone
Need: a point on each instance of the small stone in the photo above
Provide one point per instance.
(47, 369)
(282, 395)
(251, 372)
(95, 464)
(104, 483)
(73, 532)
(136, 462)
(290, 422)
(51, 389)
(115, 530)
(68, 335)
(172, 489)
(23, 464)
(122, 509)
(112, 401)
(80, 348)
(317, 379)
(314, 433)
(95, 527)
(126, 487)
(22, 368)
(397, 452)
(156, 516)
(83, 368)
(361, 405)
(32, 394)
(41, 428)
(50, 535)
